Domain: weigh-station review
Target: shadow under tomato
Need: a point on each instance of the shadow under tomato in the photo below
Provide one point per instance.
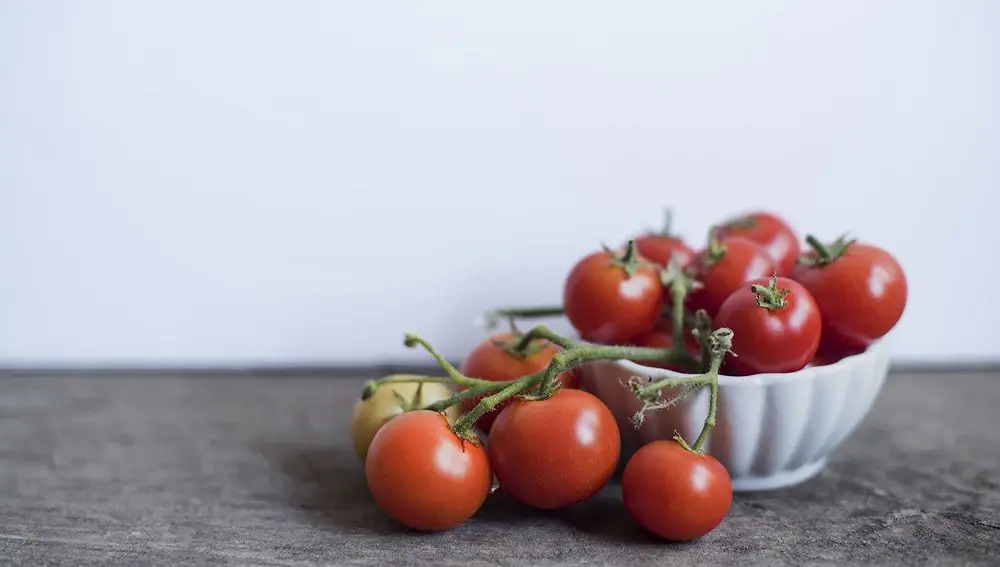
(328, 485)
(604, 516)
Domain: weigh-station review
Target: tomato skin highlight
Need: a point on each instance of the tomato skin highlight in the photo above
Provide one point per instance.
(607, 306)
(674, 493)
(661, 249)
(553, 453)
(489, 361)
(744, 260)
(861, 296)
(770, 340)
(423, 475)
(772, 233)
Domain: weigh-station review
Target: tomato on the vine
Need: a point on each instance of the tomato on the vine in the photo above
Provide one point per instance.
(861, 291)
(724, 266)
(769, 231)
(611, 298)
(424, 475)
(661, 249)
(494, 359)
(776, 324)
(372, 413)
(555, 452)
(674, 493)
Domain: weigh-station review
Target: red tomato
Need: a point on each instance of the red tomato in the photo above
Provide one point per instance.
(660, 249)
(553, 453)
(490, 361)
(423, 475)
(776, 327)
(661, 339)
(771, 232)
(606, 303)
(674, 493)
(861, 291)
(723, 267)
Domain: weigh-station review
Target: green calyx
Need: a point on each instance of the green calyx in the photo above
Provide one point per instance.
(825, 254)
(716, 250)
(629, 261)
(770, 296)
(742, 223)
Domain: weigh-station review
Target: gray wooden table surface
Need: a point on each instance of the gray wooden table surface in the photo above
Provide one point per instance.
(259, 471)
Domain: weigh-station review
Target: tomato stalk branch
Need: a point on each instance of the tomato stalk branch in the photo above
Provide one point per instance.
(493, 318)
(721, 340)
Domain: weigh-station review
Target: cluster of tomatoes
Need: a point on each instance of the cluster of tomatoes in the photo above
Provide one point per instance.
(787, 309)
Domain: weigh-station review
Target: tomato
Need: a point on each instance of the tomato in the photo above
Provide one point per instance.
(490, 360)
(612, 299)
(556, 452)
(776, 327)
(861, 291)
(371, 414)
(724, 266)
(770, 231)
(424, 475)
(660, 249)
(662, 339)
(662, 246)
(674, 493)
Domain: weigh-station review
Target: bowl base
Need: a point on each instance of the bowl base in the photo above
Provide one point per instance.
(783, 479)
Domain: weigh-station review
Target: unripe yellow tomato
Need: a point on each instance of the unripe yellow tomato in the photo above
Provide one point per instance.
(371, 414)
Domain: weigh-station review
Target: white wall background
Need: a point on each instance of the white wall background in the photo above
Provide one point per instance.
(254, 182)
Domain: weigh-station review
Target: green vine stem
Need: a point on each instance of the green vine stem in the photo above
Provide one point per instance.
(573, 356)
(721, 341)
(543, 332)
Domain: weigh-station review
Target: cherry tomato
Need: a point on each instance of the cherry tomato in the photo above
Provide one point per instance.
(660, 249)
(612, 299)
(423, 475)
(674, 493)
(861, 291)
(771, 232)
(665, 339)
(490, 360)
(776, 327)
(724, 266)
(556, 452)
(371, 414)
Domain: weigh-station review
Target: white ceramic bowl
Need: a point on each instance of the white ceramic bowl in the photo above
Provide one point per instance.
(772, 430)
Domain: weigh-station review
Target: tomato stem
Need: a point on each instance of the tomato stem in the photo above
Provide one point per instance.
(721, 340)
(542, 332)
(668, 221)
(770, 296)
(468, 394)
(411, 341)
(465, 423)
(493, 318)
(716, 250)
(628, 261)
(679, 283)
(825, 253)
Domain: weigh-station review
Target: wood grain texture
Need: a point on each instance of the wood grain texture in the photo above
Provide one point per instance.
(259, 471)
